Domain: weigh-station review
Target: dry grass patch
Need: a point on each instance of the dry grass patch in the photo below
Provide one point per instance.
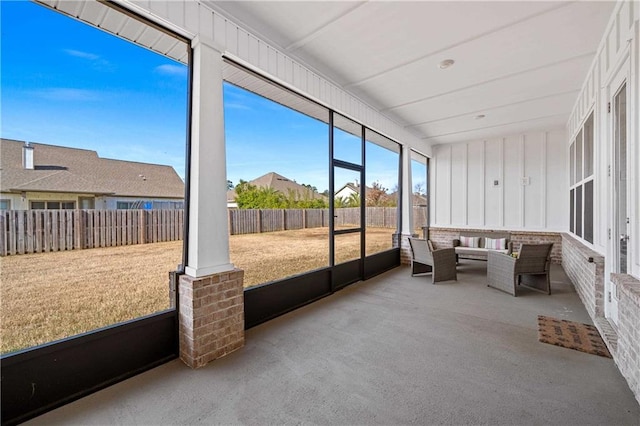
(49, 296)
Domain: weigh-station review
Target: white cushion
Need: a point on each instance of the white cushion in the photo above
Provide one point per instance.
(495, 243)
(469, 241)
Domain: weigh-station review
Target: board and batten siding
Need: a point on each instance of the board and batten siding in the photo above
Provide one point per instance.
(532, 178)
(620, 43)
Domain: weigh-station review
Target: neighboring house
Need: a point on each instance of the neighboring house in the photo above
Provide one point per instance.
(39, 176)
(384, 199)
(418, 200)
(348, 190)
(279, 183)
(231, 199)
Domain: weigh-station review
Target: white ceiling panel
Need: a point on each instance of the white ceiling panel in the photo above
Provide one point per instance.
(501, 54)
(539, 83)
(285, 22)
(412, 31)
(519, 63)
(502, 130)
(533, 109)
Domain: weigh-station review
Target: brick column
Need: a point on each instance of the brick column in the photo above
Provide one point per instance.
(402, 241)
(211, 316)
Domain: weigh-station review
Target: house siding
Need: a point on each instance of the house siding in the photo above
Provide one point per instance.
(618, 55)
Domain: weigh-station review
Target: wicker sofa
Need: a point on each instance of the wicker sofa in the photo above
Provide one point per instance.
(485, 241)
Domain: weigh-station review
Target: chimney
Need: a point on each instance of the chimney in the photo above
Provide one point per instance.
(27, 156)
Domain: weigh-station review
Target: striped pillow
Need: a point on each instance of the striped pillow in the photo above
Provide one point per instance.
(495, 243)
(469, 241)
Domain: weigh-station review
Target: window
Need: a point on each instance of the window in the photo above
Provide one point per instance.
(149, 205)
(5, 204)
(38, 205)
(588, 211)
(572, 210)
(588, 147)
(53, 205)
(167, 205)
(581, 179)
(87, 203)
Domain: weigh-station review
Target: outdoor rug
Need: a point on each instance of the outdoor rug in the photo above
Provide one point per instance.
(572, 335)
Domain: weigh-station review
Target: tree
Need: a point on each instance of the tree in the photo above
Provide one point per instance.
(249, 196)
(377, 196)
(418, 188)
(306, 200)
(252, 197)
(312, 188)
(353, 200)
(340, 202)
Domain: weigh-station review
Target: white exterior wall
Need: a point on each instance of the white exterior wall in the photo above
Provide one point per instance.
(17, 201)
(345, 193)
(464, 194)
(620, 43)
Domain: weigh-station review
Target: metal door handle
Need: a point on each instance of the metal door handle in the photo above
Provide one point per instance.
(624, 237)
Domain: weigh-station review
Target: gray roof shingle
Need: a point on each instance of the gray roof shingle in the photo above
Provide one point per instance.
(62, 169)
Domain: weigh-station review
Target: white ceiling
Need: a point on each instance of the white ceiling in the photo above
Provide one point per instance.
(521, 64)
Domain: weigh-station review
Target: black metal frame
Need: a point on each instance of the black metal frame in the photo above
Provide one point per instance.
(351, 271)
(40, 379)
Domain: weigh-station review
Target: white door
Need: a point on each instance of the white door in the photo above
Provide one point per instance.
(619, 218)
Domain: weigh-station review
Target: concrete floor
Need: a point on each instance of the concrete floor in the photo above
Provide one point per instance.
(391, 350)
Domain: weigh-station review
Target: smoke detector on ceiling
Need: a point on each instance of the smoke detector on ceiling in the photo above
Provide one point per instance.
(443, 65)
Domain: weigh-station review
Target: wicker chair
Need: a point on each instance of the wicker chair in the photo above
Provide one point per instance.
(530, 269)
(441, 263)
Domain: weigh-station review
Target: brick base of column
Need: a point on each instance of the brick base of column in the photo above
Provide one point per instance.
(402, 241)
(211, 316)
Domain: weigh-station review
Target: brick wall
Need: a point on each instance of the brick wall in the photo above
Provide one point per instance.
(443, 237)
(529, 237)
(627, 354)
(211, 316)
(587, 277)
(585, 268)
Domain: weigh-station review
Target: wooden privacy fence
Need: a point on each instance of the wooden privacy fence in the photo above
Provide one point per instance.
(243, 221)
(38, 231)
(252, 221)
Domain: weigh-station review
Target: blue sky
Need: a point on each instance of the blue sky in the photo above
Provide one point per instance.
(67, 83)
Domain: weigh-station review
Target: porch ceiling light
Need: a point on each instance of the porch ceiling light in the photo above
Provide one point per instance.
(443, 65)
